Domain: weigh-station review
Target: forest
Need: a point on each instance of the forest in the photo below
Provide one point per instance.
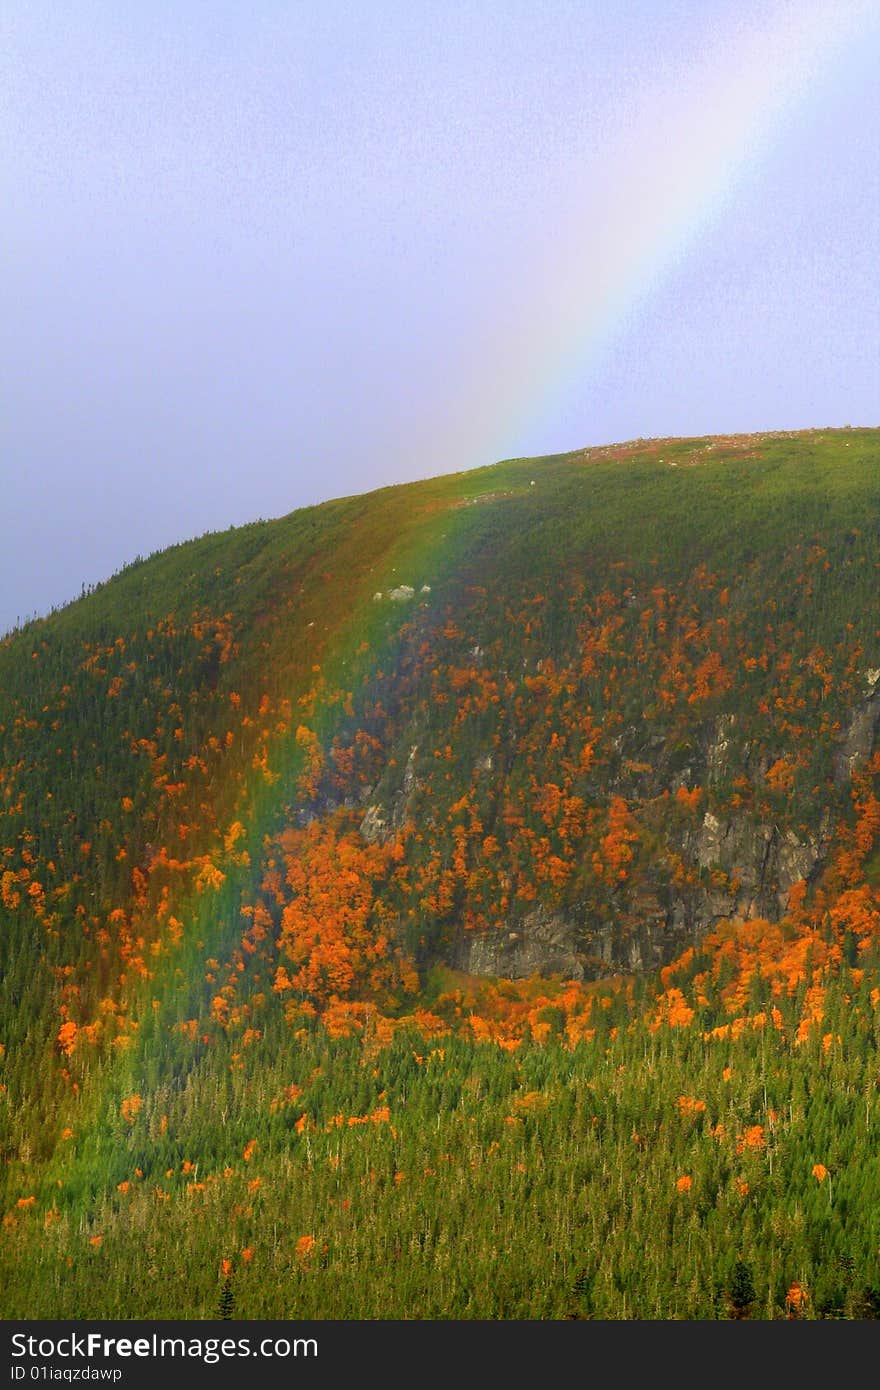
(457, 902)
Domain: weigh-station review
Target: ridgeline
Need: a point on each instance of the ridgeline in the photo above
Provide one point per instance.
(459, 901)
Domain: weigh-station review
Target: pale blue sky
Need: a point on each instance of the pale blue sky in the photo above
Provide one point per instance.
(255, 256)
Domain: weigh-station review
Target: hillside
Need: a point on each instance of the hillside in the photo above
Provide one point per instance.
(537, 802)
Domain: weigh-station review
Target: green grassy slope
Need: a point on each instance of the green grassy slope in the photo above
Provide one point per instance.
(256, 814)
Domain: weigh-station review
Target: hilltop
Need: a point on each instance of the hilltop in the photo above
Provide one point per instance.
(538, 755)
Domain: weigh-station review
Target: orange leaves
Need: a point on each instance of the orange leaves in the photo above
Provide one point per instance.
(380, 1116)
(780, 776)
(9, 894)
(684, 1183)
(131, 1108)
(220, 1010)
(139, 887)
(783, 954)
(796, 899)
(430, 1025)
(857, 910)
(289, 1096)
(752, 1140)
(346, 1018)
(680, 966)
(586, 756)
(710, 679)
(305, 1246)
(313, 762)
(673, 1010)
(814, 1010)
(233, 835)
(531, 1103)
(209, 876)
(260, 762)
(795, 1299)
(857, 841)
(549, 868)
(689, 1106)
(616, 852)
(333, 930)
(282, 982)
(548, 802)
(819, 1171)
(689, 800)
(67, 1038)
(250, 1149)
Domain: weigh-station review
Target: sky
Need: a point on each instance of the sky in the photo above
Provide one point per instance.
(257, 256)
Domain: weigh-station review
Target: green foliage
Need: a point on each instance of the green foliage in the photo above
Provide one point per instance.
(600, 649)
(742, 1289)
(440, 1178)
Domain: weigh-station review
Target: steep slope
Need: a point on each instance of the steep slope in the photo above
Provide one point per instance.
(583, 708)
(551, 721)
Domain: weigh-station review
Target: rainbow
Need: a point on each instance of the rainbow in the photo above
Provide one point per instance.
(662, 182)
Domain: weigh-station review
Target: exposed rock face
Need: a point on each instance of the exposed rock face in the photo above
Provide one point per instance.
(858, 740)
(374, 826)
(381, 823)
(543, 944)
(748, 872)
(748, 868)
(571, 946)
(738, 865)
(704, 853)
(760, 861)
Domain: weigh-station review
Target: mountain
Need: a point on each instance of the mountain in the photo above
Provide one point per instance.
(451, 801)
